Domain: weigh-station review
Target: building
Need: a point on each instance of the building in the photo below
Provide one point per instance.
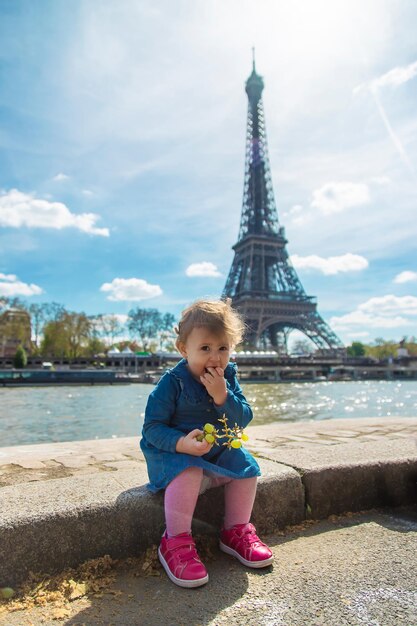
(15, 330)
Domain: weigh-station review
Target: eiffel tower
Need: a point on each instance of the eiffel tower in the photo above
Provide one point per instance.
(262, 282)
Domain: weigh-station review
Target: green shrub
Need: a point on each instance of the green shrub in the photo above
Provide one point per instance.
(20, 358)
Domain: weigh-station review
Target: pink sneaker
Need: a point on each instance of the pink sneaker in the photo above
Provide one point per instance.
(181, 562)
(242, 542)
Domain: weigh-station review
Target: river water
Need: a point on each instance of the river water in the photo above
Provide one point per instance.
(67, 413)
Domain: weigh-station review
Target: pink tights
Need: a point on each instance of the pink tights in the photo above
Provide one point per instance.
(181, 498)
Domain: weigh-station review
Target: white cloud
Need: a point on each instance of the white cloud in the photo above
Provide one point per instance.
(297, 215)
(332, 265)
(10, 286)
(335, 197)
(405, 277)
(360, 318)
(205, 268)
(380, 312)
(395, 77)
(132, 289)
(11, 277)
(60, 177)
(381, 180)
(87, 193)
(19, 209)
(390, 304)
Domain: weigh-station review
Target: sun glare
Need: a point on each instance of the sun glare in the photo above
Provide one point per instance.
(303, 36)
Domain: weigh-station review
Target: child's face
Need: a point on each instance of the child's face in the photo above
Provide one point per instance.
(203, 350)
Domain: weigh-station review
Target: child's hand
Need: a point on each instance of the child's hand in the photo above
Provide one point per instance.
(190, 445)
(215, 383)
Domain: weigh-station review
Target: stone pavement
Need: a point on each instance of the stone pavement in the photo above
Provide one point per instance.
(63, 503)
(355, 570)
(31, 463)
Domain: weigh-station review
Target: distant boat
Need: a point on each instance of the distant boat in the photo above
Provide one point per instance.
(340, 374)
(20, 378)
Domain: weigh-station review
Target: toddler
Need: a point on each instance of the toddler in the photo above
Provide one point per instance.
(201, 388)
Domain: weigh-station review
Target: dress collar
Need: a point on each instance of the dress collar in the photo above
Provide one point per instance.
(192, 387)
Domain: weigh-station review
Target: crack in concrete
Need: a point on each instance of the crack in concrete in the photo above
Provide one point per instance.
(301, 472)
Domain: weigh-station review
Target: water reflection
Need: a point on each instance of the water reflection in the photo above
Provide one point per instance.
(47, 414)
(327, 400)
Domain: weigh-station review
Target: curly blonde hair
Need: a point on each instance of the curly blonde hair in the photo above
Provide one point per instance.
(216, 315)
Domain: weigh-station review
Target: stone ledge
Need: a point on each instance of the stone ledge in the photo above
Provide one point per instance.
(338, 489)
(352, 476)
(92, 500)
(47, 526)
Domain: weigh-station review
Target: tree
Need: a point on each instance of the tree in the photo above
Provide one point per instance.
(78, 329)
(302, 347)
(411, 346)
(382, 349)
(68, 336)
(356, 349)
(20, 358)
(54, 311)
(54, 341)
(36, 320)
(7, 302)
(39, 314)
(167, 333)
(167, 322)
(94, 346)
(111, 327)
(146, 323)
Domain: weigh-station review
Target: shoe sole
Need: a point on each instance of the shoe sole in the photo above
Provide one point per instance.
(254, 564)
(189, 584)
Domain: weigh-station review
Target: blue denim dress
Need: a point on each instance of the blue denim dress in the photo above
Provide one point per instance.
(176, 406)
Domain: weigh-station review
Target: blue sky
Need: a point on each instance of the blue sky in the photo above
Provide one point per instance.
(122, 135)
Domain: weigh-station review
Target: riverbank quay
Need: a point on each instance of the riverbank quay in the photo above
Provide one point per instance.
(254, 367)
(63, 503)
(352, 570)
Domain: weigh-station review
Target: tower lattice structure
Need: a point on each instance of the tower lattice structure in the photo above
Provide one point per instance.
(262, 281)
